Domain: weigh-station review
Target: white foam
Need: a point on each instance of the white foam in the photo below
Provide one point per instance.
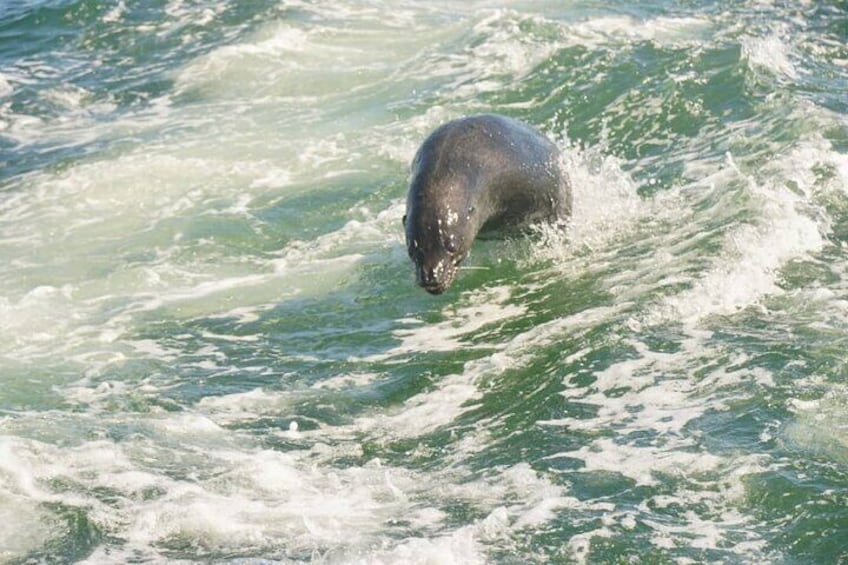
(227, 65)
(457, 548)
(115, 14)
(484, 307)
(236, 496)
(282, 63)
(105, 198)
(664, 30)
(820, 426)
(454, 394)
(251, 499)
(26, 525)
(597, 178)
(84, 393)
(21, 128)
(770, 53)
(245, 405)
(201, 15)
(347, 380)
(6, 87)
(655, 394)
(69, 97)
(41, 316)
(608, 213)
(785, 228)
(510, 44)
(110, 203)
(505, 49)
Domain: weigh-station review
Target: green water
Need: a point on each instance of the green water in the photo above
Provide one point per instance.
(212, 349)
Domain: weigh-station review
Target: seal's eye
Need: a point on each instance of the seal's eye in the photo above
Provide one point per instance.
(450, 246)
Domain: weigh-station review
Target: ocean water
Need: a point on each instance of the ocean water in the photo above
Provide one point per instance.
(212, 349)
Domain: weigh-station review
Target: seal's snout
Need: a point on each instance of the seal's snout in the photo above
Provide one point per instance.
(434, 279)
(435, 290)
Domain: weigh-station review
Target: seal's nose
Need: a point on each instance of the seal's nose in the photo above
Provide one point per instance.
(429, 279)
(433, 278)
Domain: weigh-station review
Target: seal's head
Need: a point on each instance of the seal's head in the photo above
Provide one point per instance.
(438, 238)
(441, 222)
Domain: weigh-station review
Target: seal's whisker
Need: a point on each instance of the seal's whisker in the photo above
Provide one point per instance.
(464, 268)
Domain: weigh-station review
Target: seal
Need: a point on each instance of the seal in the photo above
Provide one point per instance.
(473, 174)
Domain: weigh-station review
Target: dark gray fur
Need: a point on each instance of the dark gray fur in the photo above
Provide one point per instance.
(478, 173)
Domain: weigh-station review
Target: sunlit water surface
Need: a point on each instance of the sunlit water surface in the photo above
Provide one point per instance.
(212, 348)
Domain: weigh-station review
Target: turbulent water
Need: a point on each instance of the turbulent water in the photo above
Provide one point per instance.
(212, 348)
